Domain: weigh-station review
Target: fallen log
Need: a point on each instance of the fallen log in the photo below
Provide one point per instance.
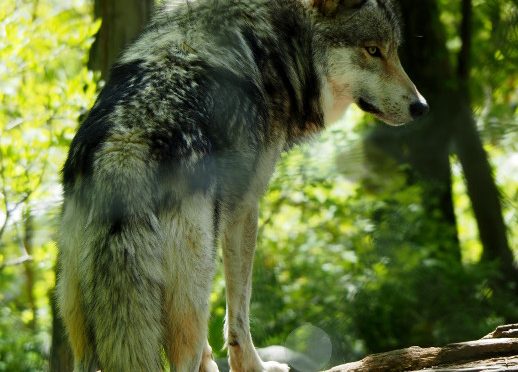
(496, 351)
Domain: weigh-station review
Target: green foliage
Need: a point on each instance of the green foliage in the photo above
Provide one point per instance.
(20, 350)
(370, 268)
(44, 88)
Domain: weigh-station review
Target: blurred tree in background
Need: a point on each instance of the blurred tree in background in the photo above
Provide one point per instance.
(44, 88)
(382, 237)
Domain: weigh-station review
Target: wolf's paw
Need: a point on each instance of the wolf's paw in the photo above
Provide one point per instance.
(209, 366)
(275, 367)
(264, 367)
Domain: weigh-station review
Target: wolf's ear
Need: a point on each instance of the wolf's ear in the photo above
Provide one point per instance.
(329, 7)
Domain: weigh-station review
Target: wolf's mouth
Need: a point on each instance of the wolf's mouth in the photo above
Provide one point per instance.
(368, 107)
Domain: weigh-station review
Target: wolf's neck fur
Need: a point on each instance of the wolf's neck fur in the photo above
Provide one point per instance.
(334, 104)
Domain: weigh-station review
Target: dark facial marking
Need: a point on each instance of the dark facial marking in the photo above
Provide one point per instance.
(368, 107)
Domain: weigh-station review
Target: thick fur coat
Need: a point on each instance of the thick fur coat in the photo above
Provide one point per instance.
(174, 156)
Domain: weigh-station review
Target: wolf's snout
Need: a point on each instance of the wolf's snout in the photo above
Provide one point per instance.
(418, 109)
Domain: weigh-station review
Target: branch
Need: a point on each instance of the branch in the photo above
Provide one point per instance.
(9, 211)
(26, 194)
(4, 194)
(16, 261)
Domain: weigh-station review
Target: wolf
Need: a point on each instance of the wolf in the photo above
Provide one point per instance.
(176, 152)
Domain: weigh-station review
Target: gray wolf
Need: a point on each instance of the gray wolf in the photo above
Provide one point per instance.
(176, 152)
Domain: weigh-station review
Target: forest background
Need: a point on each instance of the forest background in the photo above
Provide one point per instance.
(377, 237)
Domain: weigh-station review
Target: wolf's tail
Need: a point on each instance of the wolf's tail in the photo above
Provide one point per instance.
(124, 303)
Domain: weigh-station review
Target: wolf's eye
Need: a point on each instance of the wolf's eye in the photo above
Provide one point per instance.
(374, 51)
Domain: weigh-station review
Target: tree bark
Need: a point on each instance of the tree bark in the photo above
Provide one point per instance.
(122, 20)
(496, 351)
(27, 245)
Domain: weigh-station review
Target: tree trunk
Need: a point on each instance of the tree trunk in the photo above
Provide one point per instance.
(482, 190)
(484, 196)
(27, 246)
(425, 144)
(122, 21)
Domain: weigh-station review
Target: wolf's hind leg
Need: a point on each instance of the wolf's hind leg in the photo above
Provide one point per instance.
(238, 251)
(186, 334)
(84, 355)
(190, 266)
(73, 317)
(207, 362)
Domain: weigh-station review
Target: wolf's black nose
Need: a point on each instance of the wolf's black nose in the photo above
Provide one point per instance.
(418, 109)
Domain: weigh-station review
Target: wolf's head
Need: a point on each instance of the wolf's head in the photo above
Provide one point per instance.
(361, 38)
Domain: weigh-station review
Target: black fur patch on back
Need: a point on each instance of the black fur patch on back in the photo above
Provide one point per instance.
(125, 81)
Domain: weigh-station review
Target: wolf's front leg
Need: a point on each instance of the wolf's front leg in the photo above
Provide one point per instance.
(238, 251)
